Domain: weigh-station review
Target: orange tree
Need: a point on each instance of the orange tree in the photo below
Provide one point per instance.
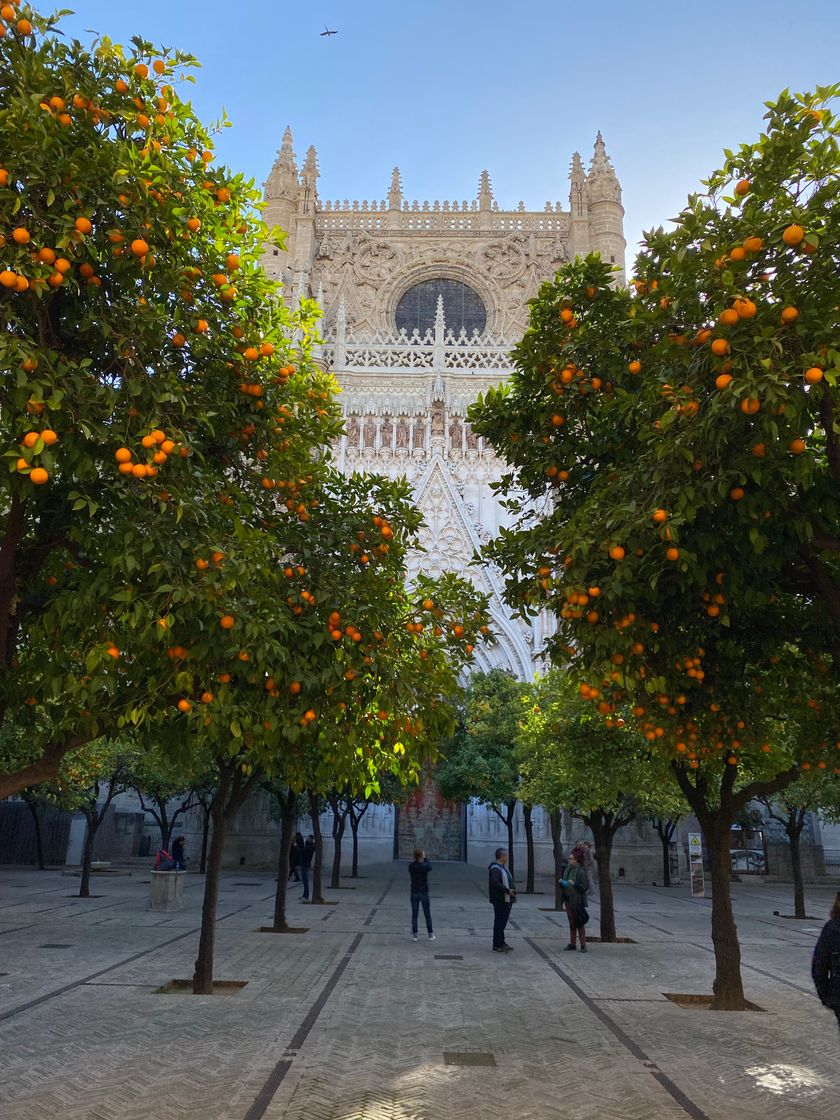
(598, 770)
(681, 442)
(151, 398)
(296, 650)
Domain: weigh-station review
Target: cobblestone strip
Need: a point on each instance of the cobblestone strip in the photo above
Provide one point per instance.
(688, 1106)
(275, 1078)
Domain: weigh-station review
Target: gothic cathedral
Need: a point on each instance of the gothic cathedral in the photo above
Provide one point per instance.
(422, 302)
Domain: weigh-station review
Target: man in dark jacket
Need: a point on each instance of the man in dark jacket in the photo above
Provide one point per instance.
(502, 896)
(419, 872)
(306, 857)
(825, 967)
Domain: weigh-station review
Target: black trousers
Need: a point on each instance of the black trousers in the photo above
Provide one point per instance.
(501, 912)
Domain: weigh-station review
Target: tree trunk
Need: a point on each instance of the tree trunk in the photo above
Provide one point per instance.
(728, 987)
(314, 807)
(603, 836)
(287, 824)
(666, 858)
(39, 840)
(338, 826)
(203, 974)
(87, 856)
(508, 819)
(794, 832)
(556, 819)
(354, 828)
(528, 822)
(205, 836)
(230, 795)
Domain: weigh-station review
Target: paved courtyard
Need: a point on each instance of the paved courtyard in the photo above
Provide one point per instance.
(352, 1021)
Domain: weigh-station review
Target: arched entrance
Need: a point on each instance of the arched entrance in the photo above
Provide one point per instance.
(428, 821)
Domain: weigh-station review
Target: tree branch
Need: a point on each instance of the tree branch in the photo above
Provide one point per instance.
(832, 444)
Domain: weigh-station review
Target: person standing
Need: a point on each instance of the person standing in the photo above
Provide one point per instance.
(825, 967)
(502, 889)
(419, 872)
(178, 856)
(295, 853)
(575, 884)
(306, 857)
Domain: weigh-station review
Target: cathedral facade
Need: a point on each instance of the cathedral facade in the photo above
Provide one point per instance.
(422, 303)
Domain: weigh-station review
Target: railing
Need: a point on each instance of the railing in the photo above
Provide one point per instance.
(436, 351)
(832, 865)
(438, 216)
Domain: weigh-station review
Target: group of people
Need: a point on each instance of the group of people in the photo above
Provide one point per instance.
(575, 885)
(301, 855)
(176, 860)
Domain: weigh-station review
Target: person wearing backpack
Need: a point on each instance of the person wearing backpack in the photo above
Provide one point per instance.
(575, 884)
(825, 967)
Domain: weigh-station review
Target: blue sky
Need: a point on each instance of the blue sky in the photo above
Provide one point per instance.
(445, 89)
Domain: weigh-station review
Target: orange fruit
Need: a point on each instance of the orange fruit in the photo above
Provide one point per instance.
(159, 66)
(672, 553)
(793, 235)
(813, 375)
(749, 406)
(112, 651)
(232, 262)
(759, 450)
(125, 468)
(122, 455)
(617, 552)
(207, 698)
(728, 317)
(139, 247)
(178, 339)
(720, 347)
(49, 437)
(737, 254)
(635, 366)
(723, 380)
(227, 621)
(24, 27)
(83, 225)
(251, 354)
(659, 516)
(141, 70)
(744, 308)
(295, 687)
(753, 244)
(202, 565)
(201, 326)
(46, 256)
(21, 235)
(184, 705)
(742, 187)
(267, 349)
(139, 470)
(789, 314)
(736, 493)
(796, 446)
(39, 476)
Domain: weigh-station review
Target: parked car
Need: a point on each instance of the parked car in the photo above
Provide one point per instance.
(747, 859)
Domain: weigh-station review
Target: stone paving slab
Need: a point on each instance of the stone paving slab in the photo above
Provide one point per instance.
(352, 1021)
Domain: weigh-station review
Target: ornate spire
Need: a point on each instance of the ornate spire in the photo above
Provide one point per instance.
(485, 191)
(602, 182)
(282, 180)
(395, 191)
(577, 191)
(309, 174)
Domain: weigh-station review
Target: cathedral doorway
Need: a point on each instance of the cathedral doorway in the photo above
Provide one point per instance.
(428, 821)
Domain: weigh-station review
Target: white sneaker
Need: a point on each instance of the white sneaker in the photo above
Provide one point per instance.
(414, 937)
(432, 937)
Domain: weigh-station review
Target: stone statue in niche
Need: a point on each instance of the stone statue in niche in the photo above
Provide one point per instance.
(352, 431)
(402, 432)
(437, 420)
(472, 439)
(385, 431)
(455, 433)
(370, 432)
